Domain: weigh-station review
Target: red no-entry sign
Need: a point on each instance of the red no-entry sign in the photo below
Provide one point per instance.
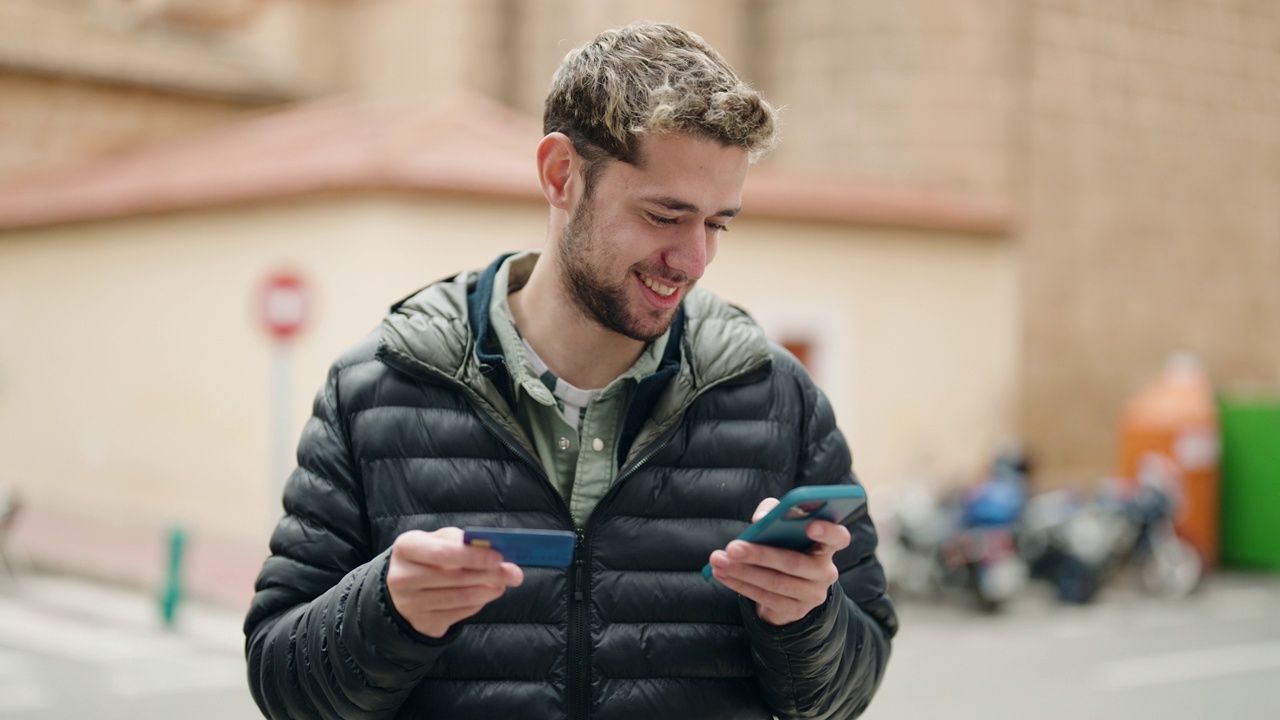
(284, 304)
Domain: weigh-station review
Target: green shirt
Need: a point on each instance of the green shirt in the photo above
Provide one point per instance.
(574, 431)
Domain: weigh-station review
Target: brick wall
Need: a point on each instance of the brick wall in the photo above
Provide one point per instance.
(1152, 206)
(47, 123)
(80, 79)
(915, 92)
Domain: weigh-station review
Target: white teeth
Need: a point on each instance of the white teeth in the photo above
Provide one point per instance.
(659, 288)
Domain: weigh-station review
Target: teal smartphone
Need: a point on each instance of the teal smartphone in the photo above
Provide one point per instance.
(784, 526)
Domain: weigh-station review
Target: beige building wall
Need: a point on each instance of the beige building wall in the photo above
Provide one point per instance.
(135, 380)
(913, 335)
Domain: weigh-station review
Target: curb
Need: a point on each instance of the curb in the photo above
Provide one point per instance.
(217, 571)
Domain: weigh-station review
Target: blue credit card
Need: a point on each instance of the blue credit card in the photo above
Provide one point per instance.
(540, 548)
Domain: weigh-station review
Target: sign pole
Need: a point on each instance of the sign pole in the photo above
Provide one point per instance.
(284, 307)
(281, 377)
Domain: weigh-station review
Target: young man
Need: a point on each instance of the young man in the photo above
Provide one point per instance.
(590, 388)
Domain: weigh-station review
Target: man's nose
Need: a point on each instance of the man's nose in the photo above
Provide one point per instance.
(693, 252)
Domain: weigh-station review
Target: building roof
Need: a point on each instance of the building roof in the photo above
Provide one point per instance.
(465, 146)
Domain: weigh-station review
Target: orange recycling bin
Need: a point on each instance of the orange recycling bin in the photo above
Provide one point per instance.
(1176, 416)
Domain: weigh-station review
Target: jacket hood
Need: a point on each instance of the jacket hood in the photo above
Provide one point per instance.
(433, 331)
(432, 328)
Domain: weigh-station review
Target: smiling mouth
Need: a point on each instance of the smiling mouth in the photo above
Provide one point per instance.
(657, 287)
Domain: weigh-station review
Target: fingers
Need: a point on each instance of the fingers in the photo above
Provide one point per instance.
(409, 575)
(424, 561)
(434, 580)
(443, 548)
(780, 598)
(434, 599)
(813, 566)
(789, 604)
(763, 508)
(785, 584)
(785, 572)
(828, 538)
(446, 599)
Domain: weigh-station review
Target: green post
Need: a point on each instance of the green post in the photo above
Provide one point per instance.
(173, 583)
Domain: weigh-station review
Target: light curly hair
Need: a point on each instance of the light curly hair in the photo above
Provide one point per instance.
(652, 78)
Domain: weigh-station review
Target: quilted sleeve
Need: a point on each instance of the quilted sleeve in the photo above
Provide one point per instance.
(323, 639)
(830, 663)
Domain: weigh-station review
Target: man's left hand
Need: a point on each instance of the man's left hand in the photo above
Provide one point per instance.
(785, 584)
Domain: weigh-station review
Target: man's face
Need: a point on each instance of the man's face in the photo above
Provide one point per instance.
(633, 250)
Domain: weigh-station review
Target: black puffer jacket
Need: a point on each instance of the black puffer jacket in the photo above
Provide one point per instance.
(413, 430)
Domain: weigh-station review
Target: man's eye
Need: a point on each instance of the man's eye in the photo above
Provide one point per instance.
(718, 227)
(660, 220)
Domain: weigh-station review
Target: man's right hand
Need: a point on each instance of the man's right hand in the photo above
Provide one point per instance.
(435, 580)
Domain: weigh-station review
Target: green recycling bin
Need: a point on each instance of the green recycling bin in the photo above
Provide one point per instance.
(1250, 482)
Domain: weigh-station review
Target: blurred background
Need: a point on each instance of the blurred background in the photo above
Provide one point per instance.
(1024, 245)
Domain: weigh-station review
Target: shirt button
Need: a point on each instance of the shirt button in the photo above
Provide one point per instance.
(597, 444)
(563, 443)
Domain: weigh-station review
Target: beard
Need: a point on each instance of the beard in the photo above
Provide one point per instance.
(585, 262)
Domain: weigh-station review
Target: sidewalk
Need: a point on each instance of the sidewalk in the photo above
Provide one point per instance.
(216, 571)
(108, 610)
(77, 648)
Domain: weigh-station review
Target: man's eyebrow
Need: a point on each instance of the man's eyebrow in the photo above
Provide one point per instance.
(678, 205)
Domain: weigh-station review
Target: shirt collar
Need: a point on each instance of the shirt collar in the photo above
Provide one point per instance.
(512, 275)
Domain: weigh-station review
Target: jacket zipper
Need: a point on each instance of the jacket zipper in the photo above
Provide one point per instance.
(578, 685)
(579, 680)
(579, 594)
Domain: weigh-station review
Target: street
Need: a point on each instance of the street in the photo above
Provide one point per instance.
(1129, 656)
(75, 649)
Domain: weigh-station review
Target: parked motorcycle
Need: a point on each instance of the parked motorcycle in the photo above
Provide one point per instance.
(964, 541)
(918, 525)
(983, 555)
(1080, 543)
(1168, 564)
(1070, 541)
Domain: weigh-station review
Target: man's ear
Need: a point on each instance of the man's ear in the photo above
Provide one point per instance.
(559, 170)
